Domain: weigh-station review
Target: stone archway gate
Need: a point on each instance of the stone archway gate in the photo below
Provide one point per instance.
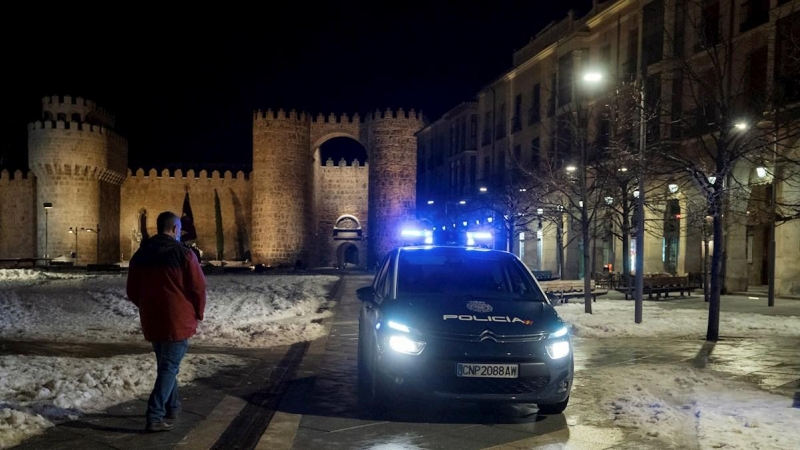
(285, 200)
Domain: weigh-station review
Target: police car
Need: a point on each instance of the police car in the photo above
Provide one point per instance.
(462, 323)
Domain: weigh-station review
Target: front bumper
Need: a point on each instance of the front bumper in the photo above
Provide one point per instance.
(433, 375)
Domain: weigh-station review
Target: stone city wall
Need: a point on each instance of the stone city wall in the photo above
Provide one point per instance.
(17, 215)
(152, 193)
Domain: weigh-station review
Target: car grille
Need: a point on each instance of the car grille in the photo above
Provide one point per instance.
(486, 335)
(502, 386)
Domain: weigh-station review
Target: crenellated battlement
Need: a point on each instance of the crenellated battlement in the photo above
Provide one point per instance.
(202, 175)
(340, 118)
(75, 126)
(281, 114)
(69, 105)
(400, 113)
(356, 164)
(389, 113)
(18, 175)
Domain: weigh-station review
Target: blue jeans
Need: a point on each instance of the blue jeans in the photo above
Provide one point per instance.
(165, 392)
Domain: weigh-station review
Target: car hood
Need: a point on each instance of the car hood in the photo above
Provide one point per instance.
(470, 315)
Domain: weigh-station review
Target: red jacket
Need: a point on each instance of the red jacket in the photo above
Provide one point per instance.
(166, 283)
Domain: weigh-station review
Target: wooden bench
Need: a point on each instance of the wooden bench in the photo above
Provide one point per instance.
(661, 285)
(566, 289)
(543, 275)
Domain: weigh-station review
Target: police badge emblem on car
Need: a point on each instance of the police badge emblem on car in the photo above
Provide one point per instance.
(479, 306)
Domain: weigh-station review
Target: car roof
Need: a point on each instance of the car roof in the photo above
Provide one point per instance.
(453, 249)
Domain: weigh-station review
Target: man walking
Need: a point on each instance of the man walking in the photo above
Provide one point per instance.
(166, 283)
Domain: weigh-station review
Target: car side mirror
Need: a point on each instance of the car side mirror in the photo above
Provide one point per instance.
(366, 294)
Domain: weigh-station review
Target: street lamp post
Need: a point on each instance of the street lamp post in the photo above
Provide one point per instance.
(96, 231)
(47, 206)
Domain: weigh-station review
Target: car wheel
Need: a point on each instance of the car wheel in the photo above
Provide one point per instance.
(553, 408)
(373, 392)
(362, 365)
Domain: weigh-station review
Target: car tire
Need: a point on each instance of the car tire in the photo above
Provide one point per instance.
(553, 408)
(361, 364)
(372, 390)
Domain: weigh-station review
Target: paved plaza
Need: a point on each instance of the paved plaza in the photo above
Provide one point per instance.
(304, 396)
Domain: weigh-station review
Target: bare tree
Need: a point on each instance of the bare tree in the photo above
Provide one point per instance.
(726, 113)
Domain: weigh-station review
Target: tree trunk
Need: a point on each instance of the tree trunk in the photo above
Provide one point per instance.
(219, 232)
(716, 270)
(560, 245)
(587, 276)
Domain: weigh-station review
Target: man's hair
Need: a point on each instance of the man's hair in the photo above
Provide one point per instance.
(166, 221)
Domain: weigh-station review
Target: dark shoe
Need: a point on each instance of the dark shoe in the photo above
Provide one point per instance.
(158, 426)
(172, 415)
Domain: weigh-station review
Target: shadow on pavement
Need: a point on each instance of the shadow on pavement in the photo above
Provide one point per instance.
(336, 396)
(701, 360)
(100, 426)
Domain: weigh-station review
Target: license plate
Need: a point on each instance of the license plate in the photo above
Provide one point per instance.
(487, 370)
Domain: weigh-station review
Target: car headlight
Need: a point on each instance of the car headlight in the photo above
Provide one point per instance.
(402, 344)
(560, 348)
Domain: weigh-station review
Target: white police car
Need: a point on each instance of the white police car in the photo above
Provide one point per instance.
(462, 323)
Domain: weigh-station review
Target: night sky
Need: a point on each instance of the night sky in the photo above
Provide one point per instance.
(183, 85)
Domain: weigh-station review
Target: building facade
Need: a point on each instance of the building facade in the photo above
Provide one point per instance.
(543, 118)
(292, 209)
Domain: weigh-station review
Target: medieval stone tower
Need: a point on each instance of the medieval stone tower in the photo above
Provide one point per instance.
(286, 191)
(79, 163)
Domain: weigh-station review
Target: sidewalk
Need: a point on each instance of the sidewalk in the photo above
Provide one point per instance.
(740, 303)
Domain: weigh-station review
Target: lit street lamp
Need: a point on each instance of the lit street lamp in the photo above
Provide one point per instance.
(47, 207)
(96, 231)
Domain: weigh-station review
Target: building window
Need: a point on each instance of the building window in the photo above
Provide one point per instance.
(473, 167)
(653, 97)
(754, 13)
(487, 167)
(518, 154)
(473, 126)
(452, 144)
(565, 69)
(675, 127)
(679, 29)
(516, 121)
(709, 27)
(551, 102)
(501, 163)
(630, 66)
(487, 129)
(756, 79)
(534, 114)
(535, 155)
(787, 55)
(501, 122)
(653, 39)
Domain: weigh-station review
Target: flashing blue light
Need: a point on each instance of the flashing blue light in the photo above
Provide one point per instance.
(479, 235)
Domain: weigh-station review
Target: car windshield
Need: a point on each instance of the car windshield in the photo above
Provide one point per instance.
(452, 271)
